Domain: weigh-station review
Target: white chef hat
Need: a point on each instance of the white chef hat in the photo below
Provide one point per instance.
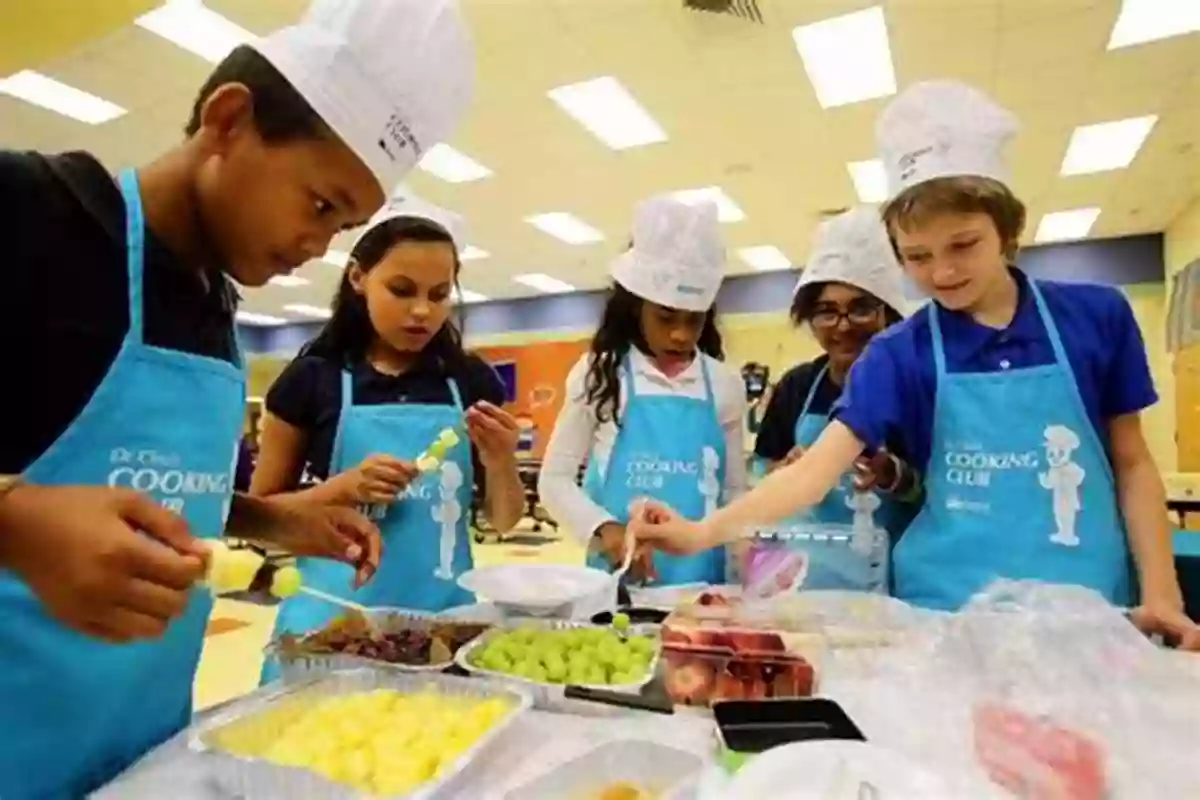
(854, 248)
(404, 203)
(940, 129)
(677, 258)
(392, 78)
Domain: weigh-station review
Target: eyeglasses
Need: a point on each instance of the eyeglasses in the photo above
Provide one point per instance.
(857, 314)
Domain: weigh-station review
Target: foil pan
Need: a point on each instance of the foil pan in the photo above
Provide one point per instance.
(260, 715)
(551, 695)
(295, 665)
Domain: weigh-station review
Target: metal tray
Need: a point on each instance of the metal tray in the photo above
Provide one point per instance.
(298, 666)
(551, 695)
(663, 771)
(253, 778)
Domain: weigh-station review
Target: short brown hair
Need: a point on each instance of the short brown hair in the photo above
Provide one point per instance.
(963, 194)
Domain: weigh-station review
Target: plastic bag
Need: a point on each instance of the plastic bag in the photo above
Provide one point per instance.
(1049, 692)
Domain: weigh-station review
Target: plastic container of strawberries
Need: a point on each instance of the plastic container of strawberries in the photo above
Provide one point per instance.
(723, 648)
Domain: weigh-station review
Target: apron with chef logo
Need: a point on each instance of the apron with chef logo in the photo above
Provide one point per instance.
(426, 542)
(845, 537)
(1018, 486)
(76, 710)
(672, 449)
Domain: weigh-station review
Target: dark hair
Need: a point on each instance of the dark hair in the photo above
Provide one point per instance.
(621, 328)
(348, 332)
(962, 194)
(804, 304)
(280, 112)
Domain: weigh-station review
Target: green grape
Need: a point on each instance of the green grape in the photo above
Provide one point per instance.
(620, 621)
(537, 673)
(597, 675)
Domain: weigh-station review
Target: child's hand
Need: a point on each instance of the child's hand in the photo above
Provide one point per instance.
(662, 527)
(612, 537)
(378, 479)
(108, 562)
(1169, 622)
(493, 431)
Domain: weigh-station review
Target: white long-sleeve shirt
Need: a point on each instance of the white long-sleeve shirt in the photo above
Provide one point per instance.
(577, 434)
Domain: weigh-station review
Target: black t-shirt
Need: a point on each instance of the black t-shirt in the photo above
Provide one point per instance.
(308, 395)
(777, 430)
(64, 307)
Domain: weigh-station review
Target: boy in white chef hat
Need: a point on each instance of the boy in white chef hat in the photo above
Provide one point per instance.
(652, 396)
(970, 384)
(291, 140)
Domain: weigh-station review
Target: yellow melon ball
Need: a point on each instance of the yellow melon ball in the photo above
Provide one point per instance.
(285, 582)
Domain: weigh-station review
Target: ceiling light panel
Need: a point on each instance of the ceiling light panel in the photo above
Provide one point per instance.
(870, 180)
(305, 310)
(765, 258)
(40, 90)
(544, 283)
(1106, 145)
(609, 112)
(1141, 21)
(565, 227)
(443, 161)
(1065, 226)
(189, 24)
(847, 58)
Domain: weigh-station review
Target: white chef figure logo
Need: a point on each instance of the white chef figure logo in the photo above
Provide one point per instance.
(710, 489)
(864, 505)
(1063, 478)
(448, 511)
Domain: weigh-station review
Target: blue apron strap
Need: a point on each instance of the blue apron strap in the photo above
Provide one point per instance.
(135, 241)
(335, 455)
(935, 333)
(347, 390)
(455, 395)
(812, 390)
(1060, 351)
(631, 388)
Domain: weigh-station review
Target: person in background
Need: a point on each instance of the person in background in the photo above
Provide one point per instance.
(849, 291)
(652, 407)
(385, 376)
(1021, 398)
(126, 457)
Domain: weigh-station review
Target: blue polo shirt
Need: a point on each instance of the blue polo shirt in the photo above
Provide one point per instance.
(890, 391)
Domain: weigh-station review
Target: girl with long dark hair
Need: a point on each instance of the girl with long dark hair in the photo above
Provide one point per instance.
(379, 384)
(651, 407)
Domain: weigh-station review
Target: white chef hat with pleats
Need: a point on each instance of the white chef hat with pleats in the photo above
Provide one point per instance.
(853, 248)
(939, 129)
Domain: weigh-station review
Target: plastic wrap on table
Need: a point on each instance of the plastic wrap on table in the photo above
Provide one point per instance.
(1047, 691)
(816, 555)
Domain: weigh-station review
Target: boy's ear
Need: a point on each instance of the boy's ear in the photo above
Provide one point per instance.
(225, 115)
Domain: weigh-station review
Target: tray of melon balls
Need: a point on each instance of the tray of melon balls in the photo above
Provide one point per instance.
(547, 656)
(357, 733)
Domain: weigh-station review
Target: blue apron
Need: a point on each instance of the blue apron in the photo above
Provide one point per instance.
(847, 534)
(76, 711)
(1018, 486)
(426, 544)
(672, 449)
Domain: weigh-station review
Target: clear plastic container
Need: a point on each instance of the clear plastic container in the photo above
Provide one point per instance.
(811, 555)
(658, 771)
(726, 648)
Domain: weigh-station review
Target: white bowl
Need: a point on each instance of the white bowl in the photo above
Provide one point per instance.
(535, 589)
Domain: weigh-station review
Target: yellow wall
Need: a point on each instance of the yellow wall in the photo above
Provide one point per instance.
(1181, 246)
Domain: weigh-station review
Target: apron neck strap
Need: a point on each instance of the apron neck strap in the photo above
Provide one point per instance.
(812, 390)
(135, 242)
(347, 389)
(455, 394)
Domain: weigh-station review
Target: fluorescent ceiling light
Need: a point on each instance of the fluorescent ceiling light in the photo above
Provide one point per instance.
(289, 281)
(339, 258)
(765, 258)
(544, 283)
(870, 180)
(445, 162)
(608, 110)
(195, 28)
(467, 296)
(847, 58)
(1106, 146)
(309, 311)
(1061, 226)
(727, 210)
(251, 318)
(471, 253)
(565, 227)
(36, 88)
(1149, 20)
